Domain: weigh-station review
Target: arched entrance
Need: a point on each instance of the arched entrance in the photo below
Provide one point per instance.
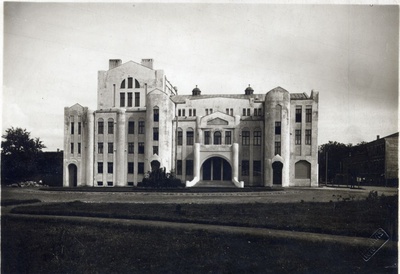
(155, 165)
(216, 169)
(277, 173)
(73, 175)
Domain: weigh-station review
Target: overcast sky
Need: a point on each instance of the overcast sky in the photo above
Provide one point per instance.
(52, 53)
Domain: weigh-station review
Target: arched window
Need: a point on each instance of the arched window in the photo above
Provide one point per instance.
(123, 84)
(137, 85)
(302, 170)
(217, 138)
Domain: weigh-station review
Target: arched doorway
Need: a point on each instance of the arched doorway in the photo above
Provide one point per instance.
(73, 175)
(277, 173)
(155, 165)
(216, 169)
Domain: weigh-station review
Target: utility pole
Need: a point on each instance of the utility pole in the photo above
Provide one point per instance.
(326, 168)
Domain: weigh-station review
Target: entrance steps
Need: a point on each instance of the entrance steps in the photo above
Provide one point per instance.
(224, 184)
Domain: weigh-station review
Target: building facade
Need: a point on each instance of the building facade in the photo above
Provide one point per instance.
(141, 123)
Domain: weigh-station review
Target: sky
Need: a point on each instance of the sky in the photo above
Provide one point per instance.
(348, 53)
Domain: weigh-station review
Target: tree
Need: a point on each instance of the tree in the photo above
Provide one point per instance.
(19, 155)
(336, 152)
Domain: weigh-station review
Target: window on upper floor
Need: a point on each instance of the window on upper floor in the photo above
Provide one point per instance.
(277, 128)
(72, 148)
(110, 126)
(257, 138)
(100, 126)
(110, 148)
(72, 128)
(297, 137)
(131, 148)
(99, 167)
(79, 128)
(130, 82)
(207, 137)
(137, 99)
(141, 127)
(248, 112)
(245, 138)
(156, 114)
(141, 147)
(217, 138)
(100, 148)
(189, 167)
(130, 167)
(194, 112)
(155, 133)
(308, 137)
(131, 127)
(122, 99)
(110, 168)
(228, 137)
(308, 115)
(129, 99)
(79, 148)
(298, 114)
(245, 168)
(123, 84)
(189, 137)
(180, 135)
(140, 168)
(277, 148)
(155, 150)
(190, 112)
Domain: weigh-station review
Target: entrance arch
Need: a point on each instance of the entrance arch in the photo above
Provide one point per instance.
(216, 169)
(155, 165)
(73, 175)
(277, 173)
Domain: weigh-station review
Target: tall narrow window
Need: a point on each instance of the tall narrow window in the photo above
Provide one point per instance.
(231, 111)
(179, 167)
(129, 99)
(179, 112)
(217, 138)
(123, 84)
(277, 128)
(277, 148)
(110, 148)
(155, 133)
(122, 99)
(137, 99)
(245, 168)
(141, 127)
(131, 148)
(137, 84)
(227, 111)
(155, 150)
(308, 136)
(190, 112)
(255, 112)
(308, 115)
(131, 127)
(130, 167)
(257, 138)
(256, 168)
(246, 138)
(100, 127)
(110, 126)
(183, 112)
(189, 138)
(194, 112)
(79, 128)
(206, 111)
(130, 82)
(99, 167)
(228, 137)
(140, 168)
(189, 167)
(207, 137)
(244, 112)
(298, 137)
(298, 114)
(260, 112)
(180, 137)
(110, 168)
(100, 148)
(156, 114)
(248, 112)
(72, 148)
(72, 128)
(79, 148)
(141, 148)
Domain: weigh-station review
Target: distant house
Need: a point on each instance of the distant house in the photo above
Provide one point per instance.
(376, 162)
(141, 124)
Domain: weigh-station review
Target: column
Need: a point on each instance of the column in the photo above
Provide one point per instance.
(120, 164)
(89, 148)
(196, 161)
(235, 161)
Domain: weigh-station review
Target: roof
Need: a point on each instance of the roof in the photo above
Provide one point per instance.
(299, 96)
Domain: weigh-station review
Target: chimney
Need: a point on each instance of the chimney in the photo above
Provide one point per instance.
(113, 63)
(147, 63)
(377, 137)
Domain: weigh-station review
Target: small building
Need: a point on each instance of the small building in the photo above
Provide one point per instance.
(141, 123)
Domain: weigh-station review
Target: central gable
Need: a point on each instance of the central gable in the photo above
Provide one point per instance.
(217, 121)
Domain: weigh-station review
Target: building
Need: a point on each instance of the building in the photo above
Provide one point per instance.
(376, 162)
(141, 123)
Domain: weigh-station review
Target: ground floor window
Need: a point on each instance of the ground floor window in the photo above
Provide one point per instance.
(189, 167)
(302, 170)
(257, 168)
(99, 183)
(140, 168)
(179, 167)
(245, 168)
(109, 183)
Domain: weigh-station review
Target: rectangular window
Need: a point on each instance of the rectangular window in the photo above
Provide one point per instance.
(131, 148)
(244, 112)
(155, 133)
(277, 128)
(298, 114)
(72, 148)
(277, 148)
(206, 111)
(110, 127)
(189, 167)
(129, 99)
(298, 137)
(211, 110)
(156, 115)
(246, 138)
(256, 168)
(231, 111)
(110, 168)
(308, 136)
(228, 137)
(100, 127)
(131, 127)
(194, 112)
(140, 168)
(183, 112)
(99, 167)
(72, 128)
(155, 150)
(189, 138)
(257, 138)
(130, 82)
(100, 148)
(141, 148)
(141, 127)
(79, 128)
(207, 139)
(79, 148)
(130, 183)
(110, 148)
(180, 138)
(99, 183)
(245, 168)
(255, 112)
(122, 99)
(308, 115)
(109, 183)
(137, 99)
(259, 112)
(179, 112)
(130, 167)
(248, 112)
(190, 112)
(227, 111)
(179, 167)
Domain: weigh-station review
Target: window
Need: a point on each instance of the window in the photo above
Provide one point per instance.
(189, 138)
(123, 84)
(141, 127)
(211, 110)
(256, 168)
(190, 112)
(245, 168)
(244, 112)
(248, 112)
(99, 167)
(308, 136)
(137, 85)
(298, 137)
(131, 148)
(231, 111)
(246, 138)
(110, 148)
(79, 128)
(227, 111)
(155, 114)
(302, 170)
(72, 148)
(140, 168)
(100, 127)
(122, 99)
(99, 183)
(79, 148)
(100, 148)
(130, 82)
(137, 99)
(130, 183)
(155, 133)
(129, 99)
(277, 148)
(257, 138)
(179, 167)
(130, 167)
(260, 112)
(308, 115)
(131, 127)
(194, 112)
(111, 127)
(72, 128)
(217, 138)
(206, 111)
(277, 128)
(183, 112)
(298, 114)
(141, 148)
(189, 167)
(255, 112)
(109, 183)
(179, 112)
(228, 137)
(207, 137)
(155, 150)
(180, 137)
(110, 168)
